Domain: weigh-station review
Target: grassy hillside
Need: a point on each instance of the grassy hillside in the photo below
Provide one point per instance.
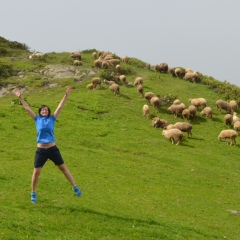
(135, 183)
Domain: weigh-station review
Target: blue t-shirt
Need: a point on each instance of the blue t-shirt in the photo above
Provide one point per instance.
(45, 129)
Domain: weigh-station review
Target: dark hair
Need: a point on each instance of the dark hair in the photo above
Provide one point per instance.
(44, 106)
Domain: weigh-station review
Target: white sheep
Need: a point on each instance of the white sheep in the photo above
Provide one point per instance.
(108, 82)
(174, 135)
(229, 133)
(176, 109)
(115, 88)
(233, 105)
(76, 55)
(235, 117)
(193, 111)
(220, 104)
(146, 110)
(137, 81)
(198, 102)
(228, 119)
(236, 126)
(184, 127)
(176, 101)
(207, 111)
(123, 79)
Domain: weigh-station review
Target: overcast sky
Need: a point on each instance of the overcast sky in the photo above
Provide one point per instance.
(203, 35)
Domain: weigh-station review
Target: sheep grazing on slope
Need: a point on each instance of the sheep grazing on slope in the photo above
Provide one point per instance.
(198, 102)
(179, 72)
(174, 135)
(122, 79)
(159, 123)
(176, 109)
(115, 88)
(155, 101)
(186, 114)
(176, 101)
(184, 127)
(90, 86)
(235, 117)
(77, 63)
(228, 119)
(125, 59)
(94, 55)
(96, 82)
(148, 66)
(192, 77)
(108, 82)
(146, 110)
(236, 126)
(148, 96)
(220, 104)
(229, 133)
(140, 90)
(137, 81)
(36, 55)
(207, 111)
(233, 105)
(193, 111)
(76, 55)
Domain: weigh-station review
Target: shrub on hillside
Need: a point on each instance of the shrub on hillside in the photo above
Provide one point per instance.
(136, 62)
(6, 70)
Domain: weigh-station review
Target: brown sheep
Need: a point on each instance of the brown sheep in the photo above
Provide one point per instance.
(123, 79)
(193, 111)
(163, 67)
(148, 96)
(159, 123)
(77, 63)
(207, 111)
(94, 55)
(198, 102)
(155, 101)
(140, 89)
(76, 55)
(148, 66)
(176, 109)
(146, 110)
(233, 105)
(90, 86)
(184, 127)
(236, 126)
(179, 72)
(192, 77)
(125, 59)
(186, 114)
(96, 82)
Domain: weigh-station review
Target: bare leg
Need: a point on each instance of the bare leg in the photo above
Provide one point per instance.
(67, 174)
(35, 177)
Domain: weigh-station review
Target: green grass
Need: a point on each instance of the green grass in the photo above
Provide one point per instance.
(135, 183)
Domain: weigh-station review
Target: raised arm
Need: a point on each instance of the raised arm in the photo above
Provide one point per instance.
(61, 104)
(24, 103)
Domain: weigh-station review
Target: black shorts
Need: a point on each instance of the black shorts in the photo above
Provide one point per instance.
(43, 154)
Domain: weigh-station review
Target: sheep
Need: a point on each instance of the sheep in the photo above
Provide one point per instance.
(149, 95)
(114, 61)
(96, 82)
(159, 123)
(76, 55)
(155, 102)
(192, 77)
(176, 101)
(228, 119)
(108, 82)
(118, 67)
(140, 89)
(125, 59)
(233, 105)
(94, 55)
(207, 111)
(105, 64)
(193, 111)
(198, 102)
(146, 110)
(137, 81)
(172, 71)
(148, 66)
(115, 88)
(36, 55)
(176, 109)
(236, 126)
(163, 67)
(174, 135)
(77, 63)
(186, 114)
(98, 63)
(108, 57)
(188, 70)
(123, 79)
(179, 72)
(184, 127)
(235, 117)
(220, 104)
(90, 86)
(170, 126)
(229, 133)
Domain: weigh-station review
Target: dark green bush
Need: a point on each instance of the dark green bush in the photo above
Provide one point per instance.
(6, 70)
